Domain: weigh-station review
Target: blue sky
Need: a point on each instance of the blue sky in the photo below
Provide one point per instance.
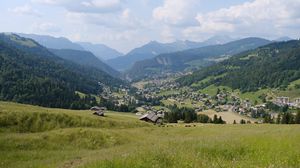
(126, 24)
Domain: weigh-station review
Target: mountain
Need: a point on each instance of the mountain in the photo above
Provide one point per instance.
(85, 58)
(285, 38)
(144, 52)
(53, 42)
(218, 39)
(274, 65)
(101, 51)
(29, 73)
(191, 59)
(154, 48)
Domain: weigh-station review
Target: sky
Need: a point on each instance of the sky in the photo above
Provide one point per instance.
(126, 24)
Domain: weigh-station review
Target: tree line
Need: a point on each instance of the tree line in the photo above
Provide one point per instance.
(188, 115)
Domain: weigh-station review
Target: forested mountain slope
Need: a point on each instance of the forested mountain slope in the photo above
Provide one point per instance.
(274, 65)
(85, 58)
(29, 73)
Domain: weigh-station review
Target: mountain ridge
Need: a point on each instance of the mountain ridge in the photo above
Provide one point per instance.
(191, 58)
(154, 48)
(101, 51)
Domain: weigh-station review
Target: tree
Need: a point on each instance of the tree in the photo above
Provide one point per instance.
(220, 120)
(268, 119)
(278, 119)
(215, 119)
(297, 118)
(202, 118)
(285, 108)
(242, 121)
(287, 118)
(234, 122)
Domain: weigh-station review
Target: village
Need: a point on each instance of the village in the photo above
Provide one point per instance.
(152, 99)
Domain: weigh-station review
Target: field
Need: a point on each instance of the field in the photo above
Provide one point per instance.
(229, 117)
(32, 136)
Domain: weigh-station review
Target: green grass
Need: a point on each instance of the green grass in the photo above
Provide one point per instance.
(26, 42)
(168, 92)
(212, 89)
(253, 96)
(120, 140)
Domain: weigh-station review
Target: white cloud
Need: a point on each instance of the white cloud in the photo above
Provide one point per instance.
(259, 18)
(167, 35)
(52, 2)
(25, 10)
(85, 6)
(45, 27)
(123, 20)
(176, 12)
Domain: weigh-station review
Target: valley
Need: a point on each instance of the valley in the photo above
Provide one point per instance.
(149, 84)
(225, 105)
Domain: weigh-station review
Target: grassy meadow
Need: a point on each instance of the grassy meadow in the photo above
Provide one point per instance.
(32, 136)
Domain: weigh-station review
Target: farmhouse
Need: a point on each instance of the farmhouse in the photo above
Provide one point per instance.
(151, 117)
(98, 110)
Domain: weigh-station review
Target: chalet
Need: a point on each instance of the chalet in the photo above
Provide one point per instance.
(151, 117)
(99, 111)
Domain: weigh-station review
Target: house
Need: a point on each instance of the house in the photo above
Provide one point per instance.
(297, 102)
(247, 104)
(282, 100)
(151, 117)
(99, 111)
(96, 108)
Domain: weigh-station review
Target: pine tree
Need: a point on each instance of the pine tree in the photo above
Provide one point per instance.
(215, 120)
(220, 120)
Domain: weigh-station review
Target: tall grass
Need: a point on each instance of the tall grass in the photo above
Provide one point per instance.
(32, 136)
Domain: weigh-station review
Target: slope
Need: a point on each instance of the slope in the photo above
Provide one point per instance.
(101, 51)
(274, 66)
(29, 73)
(84, 58)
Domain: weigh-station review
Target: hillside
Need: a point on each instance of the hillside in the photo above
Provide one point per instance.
(32, 136)
(53, 42)
(85, 58)
(101, 51)
(271, 66)
(191, 59)
(29, 73)
(154, 48)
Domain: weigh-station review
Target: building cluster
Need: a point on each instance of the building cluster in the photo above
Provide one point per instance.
(282, 101)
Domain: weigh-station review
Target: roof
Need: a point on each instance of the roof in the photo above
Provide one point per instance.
(150, 116)
(96, 108)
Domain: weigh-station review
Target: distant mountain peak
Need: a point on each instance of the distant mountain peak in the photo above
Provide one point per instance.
(101, 51)
(283, 38)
